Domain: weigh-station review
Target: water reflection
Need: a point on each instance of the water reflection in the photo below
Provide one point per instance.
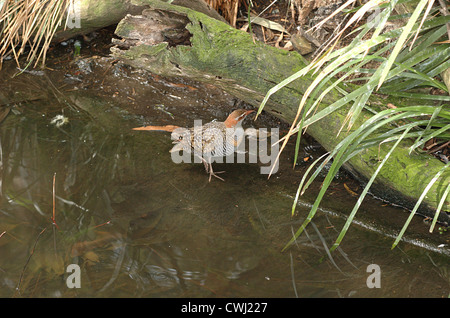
(140, 226)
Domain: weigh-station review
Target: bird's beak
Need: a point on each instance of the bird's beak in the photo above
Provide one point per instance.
(248, 112)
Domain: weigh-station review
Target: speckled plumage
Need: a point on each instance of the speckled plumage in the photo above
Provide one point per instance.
(212, 140)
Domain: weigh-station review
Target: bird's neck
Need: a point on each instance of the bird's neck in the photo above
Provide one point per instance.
(232, 123)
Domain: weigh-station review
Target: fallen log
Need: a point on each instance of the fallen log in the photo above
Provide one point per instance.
(85, 16)
(176, 41)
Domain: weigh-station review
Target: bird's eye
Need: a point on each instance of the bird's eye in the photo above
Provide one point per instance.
(180, 138)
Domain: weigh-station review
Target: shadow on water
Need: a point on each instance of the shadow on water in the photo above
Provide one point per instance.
(139, 225)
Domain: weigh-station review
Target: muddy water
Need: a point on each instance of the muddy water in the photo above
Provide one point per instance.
(138, 225)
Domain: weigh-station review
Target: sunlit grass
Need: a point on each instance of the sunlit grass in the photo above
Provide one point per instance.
(29, 24)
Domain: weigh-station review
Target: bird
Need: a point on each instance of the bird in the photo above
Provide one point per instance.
(212, 140)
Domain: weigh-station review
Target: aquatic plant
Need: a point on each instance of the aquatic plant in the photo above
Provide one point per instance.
(399, 61)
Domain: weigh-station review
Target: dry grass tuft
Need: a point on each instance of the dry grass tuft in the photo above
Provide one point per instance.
(227, 8)
(29, 22)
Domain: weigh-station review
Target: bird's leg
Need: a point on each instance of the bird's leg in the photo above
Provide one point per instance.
(211, 173)
(209, 169)
(206, 164)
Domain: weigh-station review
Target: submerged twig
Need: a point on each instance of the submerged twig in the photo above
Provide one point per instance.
(54, 203)
(105, 223)
(293, 276)
(117, 268)
(28, 260)
(326, 248)
(257, 211)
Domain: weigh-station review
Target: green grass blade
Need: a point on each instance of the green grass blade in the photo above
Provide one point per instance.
(438, 210)
(401, 41)
(416, 207)
(300, 186)
(427, 129)
(282, 84)
(314, 175)
(419, 96)
(363, 194)
(430, 136)
(297, 147)
(338, 159)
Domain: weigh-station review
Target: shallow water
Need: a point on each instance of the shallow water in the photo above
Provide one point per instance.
(139, 225)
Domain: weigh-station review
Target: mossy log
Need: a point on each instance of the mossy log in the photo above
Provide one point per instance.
(176, 41)
(172, 40)
(86, 16)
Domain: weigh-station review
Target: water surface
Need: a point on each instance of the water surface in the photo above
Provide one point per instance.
(139, 225)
